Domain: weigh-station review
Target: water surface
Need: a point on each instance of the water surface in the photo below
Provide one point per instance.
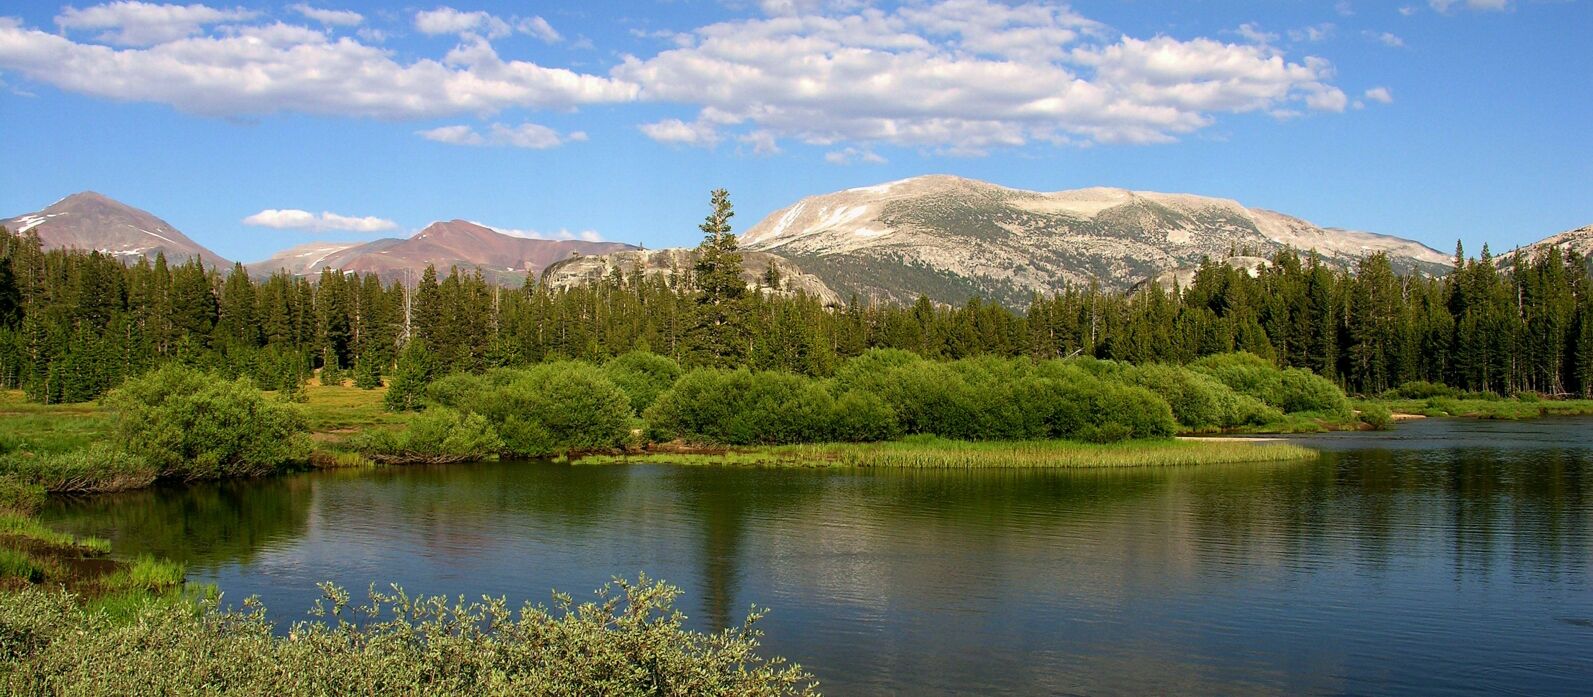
(1447, 557)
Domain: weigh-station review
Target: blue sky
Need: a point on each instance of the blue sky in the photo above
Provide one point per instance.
(253, 127)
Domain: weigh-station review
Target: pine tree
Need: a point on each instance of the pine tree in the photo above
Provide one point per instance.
(416, 367)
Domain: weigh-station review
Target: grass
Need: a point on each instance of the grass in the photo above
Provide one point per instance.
(1508, 409)
(939, 453)
(30, 530)
(49, 428)
(341, 409)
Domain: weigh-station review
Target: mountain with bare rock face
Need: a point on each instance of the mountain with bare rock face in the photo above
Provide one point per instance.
(91, 221)
(1579, 241)
(952, 238)
(499, 257)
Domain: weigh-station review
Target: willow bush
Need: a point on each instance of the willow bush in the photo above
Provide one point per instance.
(193, 425)
(546, 409)
(629, 641)
(435, 436)
(642, 376)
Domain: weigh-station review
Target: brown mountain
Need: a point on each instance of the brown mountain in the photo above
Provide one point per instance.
(91, 221)
(461, 243)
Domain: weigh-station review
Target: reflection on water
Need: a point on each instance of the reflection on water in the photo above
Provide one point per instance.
(1448, 556)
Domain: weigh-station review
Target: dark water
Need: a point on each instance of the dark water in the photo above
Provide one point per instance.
(1446, 557)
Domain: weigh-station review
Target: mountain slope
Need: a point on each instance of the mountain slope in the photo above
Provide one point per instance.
(91, 221)
(1579, 240)
(585, 269)
(500, 257)
(951, 238)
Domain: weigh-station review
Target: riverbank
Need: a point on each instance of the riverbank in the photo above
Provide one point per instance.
(940, 453)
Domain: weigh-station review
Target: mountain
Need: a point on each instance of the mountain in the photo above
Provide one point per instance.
(91, 221)
(952, 238)
(500, 257)
(663, 262)
(1579, 240)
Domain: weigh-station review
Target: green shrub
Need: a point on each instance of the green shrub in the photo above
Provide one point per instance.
(1198, 401)
(544, 410)
(861, 417)
(1379, 417)
(642, 376)
(97, 468)
(1245, 373)
(1421, 389)
(368, 371)
(629, 641)
(18, 496)
(740, 407)
(193, 425)
(436, 435)
(1301, 390)
(416, 368)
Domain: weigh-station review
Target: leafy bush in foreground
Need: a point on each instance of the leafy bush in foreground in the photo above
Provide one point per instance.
(630, 641)
(193, 425)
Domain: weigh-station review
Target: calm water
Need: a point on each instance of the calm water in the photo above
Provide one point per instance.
(1446, 557)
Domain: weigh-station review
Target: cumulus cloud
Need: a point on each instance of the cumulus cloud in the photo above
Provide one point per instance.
(338, 18)
(539, 28)
(560, 234)
(955, 76)
(132, 23)
(295, 219)
(960, 76)
(447, 20)
(283, 68)
(526, 135)
(700, 133)
(1381, 95)
(847, 156)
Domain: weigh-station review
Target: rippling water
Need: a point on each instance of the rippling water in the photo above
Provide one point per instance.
(1446, 557)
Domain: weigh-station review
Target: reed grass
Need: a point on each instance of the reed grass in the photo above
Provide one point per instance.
(1506, 409)
(938, 453)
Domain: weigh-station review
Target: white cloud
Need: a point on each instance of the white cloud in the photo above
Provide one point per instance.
(294, 219)
(1388, 39)
(1407, 10)
(1314, 33)
(952, 76)
(960, 76)
(339, 18)
(447, 20)
(131, 23)
(849, 156)
(539, 28)
(1252, 32)
(282, 68)
(587, 235)
(1326, 98)
(1344, 8)
(1381, 95)
(763, 143)
(700, 133)
(1447, 6)
(526, 135)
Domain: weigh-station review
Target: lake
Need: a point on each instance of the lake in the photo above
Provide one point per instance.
(1446, 557)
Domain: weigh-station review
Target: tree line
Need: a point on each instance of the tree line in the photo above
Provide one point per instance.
(74, 324)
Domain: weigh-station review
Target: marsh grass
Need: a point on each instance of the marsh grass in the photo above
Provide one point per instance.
(49, 428)
(1497, 408)
(939, 453)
